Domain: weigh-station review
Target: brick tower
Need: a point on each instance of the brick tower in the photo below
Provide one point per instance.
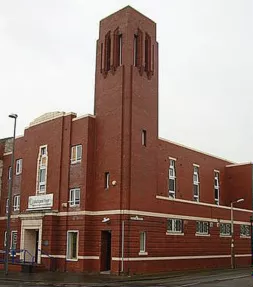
(126, 109)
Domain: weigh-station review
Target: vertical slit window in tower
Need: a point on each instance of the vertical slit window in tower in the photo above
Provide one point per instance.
(144, 138)
(147, 53)
(135, 50)
(101, 58)
(120, 49)
(107, 51)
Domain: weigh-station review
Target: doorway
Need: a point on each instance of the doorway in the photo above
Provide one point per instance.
(105, 264)
(31, 245)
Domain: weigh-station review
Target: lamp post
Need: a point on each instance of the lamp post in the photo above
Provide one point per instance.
(232, 232)
(9, 202)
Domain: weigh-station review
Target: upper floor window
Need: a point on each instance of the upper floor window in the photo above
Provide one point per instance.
(202, 227)
(18, 166)
(144, 137)
(107, 51)
(216, 188)
(175, 225)
(42, 170)
(172, 178)
(195, 183)
(74, 197)
(9, 172)
(16, 202)
(107, 180)
(76, 154)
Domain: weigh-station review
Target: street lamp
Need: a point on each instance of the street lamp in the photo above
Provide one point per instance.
(232, 232)
(9, 202)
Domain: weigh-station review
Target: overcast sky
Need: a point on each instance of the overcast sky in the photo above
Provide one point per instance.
(47, 62)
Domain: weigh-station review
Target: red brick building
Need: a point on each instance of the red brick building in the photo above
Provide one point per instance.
(104, 192)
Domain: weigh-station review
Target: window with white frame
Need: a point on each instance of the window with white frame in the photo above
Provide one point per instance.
(72, 245)
(245, 230)
(42, 170)
(16, 202)
(216, 188)
(74, 197)
(7, 205)
(143, 237)
(172, 178)
(202, 227)
(9, 172)
(175, 225)
(19, 166)
(107, 180)
(76, 154)
(225, 229)
(14, 241)
(195, 183)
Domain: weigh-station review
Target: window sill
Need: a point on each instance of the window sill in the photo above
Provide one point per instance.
(69, 259)
(226, 236)
(143, 253)
(75, 162)
(199, 234)
(246, 237)
(175, 233)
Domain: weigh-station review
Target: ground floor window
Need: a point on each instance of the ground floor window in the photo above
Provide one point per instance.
(143, 242)
(244, 230)
(72, 245)
(202, 227)
(225, 229)
(175, 225)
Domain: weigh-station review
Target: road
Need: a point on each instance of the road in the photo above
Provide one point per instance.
(231, 279)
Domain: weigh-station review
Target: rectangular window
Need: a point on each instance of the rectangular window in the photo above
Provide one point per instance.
(9, 172)
(225, 229)
(107, 180)
(144, 138)
(195, 183)
(244, 230)
(175, 225)
(76, 154)
(143, 242)
(16, 202)
(7, 205)
(42, 170)
(172, 178)
(18, 166)
(14, 236)
(202, 227)
(72, 245)
(74, 197)
(120, 50)
(216, 188)
(135, 50)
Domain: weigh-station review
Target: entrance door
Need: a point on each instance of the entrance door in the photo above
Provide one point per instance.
(31, 244)
(105, 251)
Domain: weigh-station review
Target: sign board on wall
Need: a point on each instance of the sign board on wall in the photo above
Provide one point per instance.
(40, 201)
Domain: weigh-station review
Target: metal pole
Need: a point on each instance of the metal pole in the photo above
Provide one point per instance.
(122, 245)
(232, 238)
(7, 245)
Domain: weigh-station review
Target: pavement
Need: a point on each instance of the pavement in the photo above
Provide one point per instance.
(237, 277)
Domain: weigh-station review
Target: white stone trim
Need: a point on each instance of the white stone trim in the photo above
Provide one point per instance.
(83, 116)
(195, 150)
(201, 203)
(177, 257)
(7, 153)
(126, 212)
(175, 233)
(238, 164)
(173, 158)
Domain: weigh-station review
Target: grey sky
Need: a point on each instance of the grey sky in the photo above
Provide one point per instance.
(47, 62)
